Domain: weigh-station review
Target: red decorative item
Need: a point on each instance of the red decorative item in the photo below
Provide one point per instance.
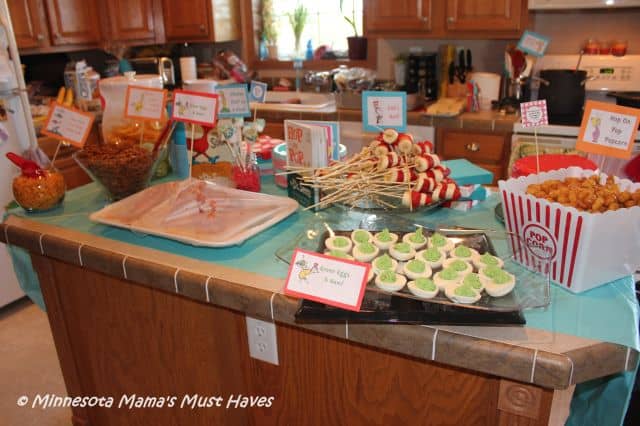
(632, 169)
(528, 165)
(247, 179)
(29, 168)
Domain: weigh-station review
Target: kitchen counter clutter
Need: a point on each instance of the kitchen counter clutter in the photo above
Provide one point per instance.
(137, 313)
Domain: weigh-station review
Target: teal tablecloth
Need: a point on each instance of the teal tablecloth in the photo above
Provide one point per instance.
(608, 313)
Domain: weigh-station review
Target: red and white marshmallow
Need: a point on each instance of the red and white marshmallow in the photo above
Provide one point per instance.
(400, 175)
(424, 147)
(426, 162)
(424, 183)
(379, 148)
(448, 191)
(404, 144)
(390, 136)
(388, 161)
(415, 199)
(438, 173)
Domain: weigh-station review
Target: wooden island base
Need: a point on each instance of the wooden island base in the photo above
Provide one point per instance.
(116, 338)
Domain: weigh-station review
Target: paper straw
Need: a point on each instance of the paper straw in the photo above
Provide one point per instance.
(55, 154)
(193, 135)
(535, 138)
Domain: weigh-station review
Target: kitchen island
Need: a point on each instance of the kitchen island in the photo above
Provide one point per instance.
(141, 316)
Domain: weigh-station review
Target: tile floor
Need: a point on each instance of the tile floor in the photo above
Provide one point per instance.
(28, 366)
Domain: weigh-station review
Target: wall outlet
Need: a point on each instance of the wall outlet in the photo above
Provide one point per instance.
(263, 344)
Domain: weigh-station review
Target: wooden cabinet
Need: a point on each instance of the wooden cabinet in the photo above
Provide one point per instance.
(29, 23)
(74, 22)
(135, 20)
(398, 15)
(486, 149)
(203, 20)
(445, 19)
(474, 15)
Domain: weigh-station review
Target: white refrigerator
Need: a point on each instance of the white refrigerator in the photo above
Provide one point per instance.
(16, 135)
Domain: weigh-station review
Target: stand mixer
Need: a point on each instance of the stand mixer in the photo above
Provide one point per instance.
(518, 68)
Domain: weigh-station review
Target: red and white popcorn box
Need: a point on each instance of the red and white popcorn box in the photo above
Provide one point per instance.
(585, 250)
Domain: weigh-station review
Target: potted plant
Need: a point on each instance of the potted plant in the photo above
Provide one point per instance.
(298, 19)
(269, 29)
(357, 44)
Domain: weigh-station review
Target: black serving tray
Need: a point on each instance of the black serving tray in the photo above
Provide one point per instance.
(377, 308)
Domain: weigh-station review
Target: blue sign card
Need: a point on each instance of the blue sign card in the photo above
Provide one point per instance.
(234, 101)
(383, 110)
(533, 43)
(257, 91)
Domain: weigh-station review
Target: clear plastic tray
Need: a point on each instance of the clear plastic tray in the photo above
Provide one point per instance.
(532, 289)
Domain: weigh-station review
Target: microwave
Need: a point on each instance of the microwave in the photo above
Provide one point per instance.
(159, 65)
(580, 4)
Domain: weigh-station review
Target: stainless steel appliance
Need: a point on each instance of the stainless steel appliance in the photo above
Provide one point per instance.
(605, 74)
(160, 65)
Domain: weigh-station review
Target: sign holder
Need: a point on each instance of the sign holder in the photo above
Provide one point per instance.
(195, 108)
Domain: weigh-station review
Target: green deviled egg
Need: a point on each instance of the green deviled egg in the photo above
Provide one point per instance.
(365, 252)
(338, 243)
(433, 256)
(423, 287)
(463, 252)
(402, 251)
(441, 242)
(473, 280)
(385, 239)
(390, 281)
(462, 294)
(416, 239)
(384, 263)
(500, 284)
(459, 265)
(338, 254)
(415, 269)
(446, 278)
(489, 271)
(361, 236)
(486, 259)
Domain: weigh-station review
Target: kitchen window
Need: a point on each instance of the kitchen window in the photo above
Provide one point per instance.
(272, 23)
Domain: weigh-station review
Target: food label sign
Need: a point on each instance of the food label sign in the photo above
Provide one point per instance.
(533, 43)
(258, 91)
(608, 129)
(534, 113)
(144, 103)
(195, 107)
(324, 279)
(234, 100)
(382, 110)
(68, 124)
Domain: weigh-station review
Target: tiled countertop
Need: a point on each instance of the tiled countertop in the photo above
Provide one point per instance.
(544, 358)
